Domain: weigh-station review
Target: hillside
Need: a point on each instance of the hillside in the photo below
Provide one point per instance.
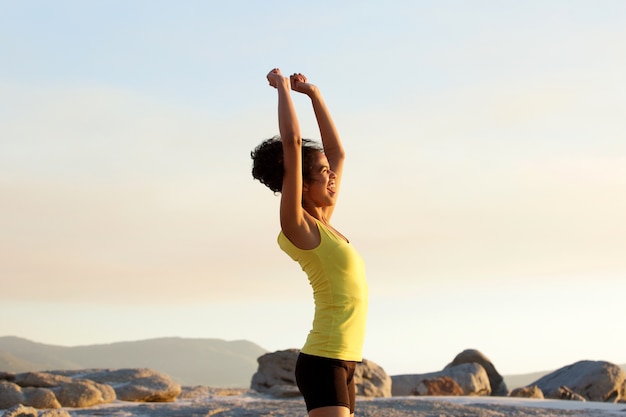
(211, 362)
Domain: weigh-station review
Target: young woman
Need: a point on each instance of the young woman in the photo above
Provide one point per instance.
(308, 178)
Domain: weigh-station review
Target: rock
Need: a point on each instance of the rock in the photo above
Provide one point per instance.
(498, 386)
(593, 380)
(7, 376)
(138, 384)
(40, 398)
(439, 386)
(12, 394)
(531, 391)
(564, 393)
(371, 380)
(20, 411)
(277, 369)
(40, 379)
(470, 377)
(80, 393)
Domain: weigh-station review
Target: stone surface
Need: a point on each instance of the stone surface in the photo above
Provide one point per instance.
(498, 386)
(54, 413)
(527, 392)
(21, 411)
(593, 380)
(277, 369)
(470, 377)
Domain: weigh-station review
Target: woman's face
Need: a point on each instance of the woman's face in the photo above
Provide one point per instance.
(320, 188)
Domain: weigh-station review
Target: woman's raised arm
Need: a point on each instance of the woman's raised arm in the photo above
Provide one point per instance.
(333, 147)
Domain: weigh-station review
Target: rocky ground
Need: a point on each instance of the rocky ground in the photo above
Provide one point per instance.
(207, 402)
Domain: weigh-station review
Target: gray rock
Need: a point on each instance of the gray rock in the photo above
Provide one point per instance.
(471, 378)
(593, 380)
(371, 380)
(498, 386)
(277, 369)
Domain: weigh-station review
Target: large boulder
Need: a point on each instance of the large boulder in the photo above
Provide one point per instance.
(276, 376)
(498, 386)
(371, 380)
(470, 377)
(592, 380)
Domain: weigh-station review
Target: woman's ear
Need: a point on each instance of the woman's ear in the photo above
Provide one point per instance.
(305, 187)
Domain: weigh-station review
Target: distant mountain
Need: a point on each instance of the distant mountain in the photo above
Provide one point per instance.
(522, 380)
(211, 362)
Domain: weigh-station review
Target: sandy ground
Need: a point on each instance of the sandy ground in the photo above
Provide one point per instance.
(245, 403)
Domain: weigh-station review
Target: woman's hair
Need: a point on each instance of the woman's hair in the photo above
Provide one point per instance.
(267, 162)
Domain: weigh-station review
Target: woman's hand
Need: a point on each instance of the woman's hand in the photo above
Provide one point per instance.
(275, 78)
(299, 83)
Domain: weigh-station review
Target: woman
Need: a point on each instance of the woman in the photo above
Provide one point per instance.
(308, 178)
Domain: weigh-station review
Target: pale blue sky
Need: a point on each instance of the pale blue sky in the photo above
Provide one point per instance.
(484, 186)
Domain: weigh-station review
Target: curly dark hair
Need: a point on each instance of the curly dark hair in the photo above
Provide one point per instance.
(267, 162)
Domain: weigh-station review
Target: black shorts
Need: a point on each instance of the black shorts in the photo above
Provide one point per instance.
(326, 382)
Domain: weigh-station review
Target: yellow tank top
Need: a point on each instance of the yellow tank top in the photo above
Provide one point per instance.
(336, 273)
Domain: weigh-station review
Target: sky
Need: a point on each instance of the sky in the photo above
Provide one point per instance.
(484, 183)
